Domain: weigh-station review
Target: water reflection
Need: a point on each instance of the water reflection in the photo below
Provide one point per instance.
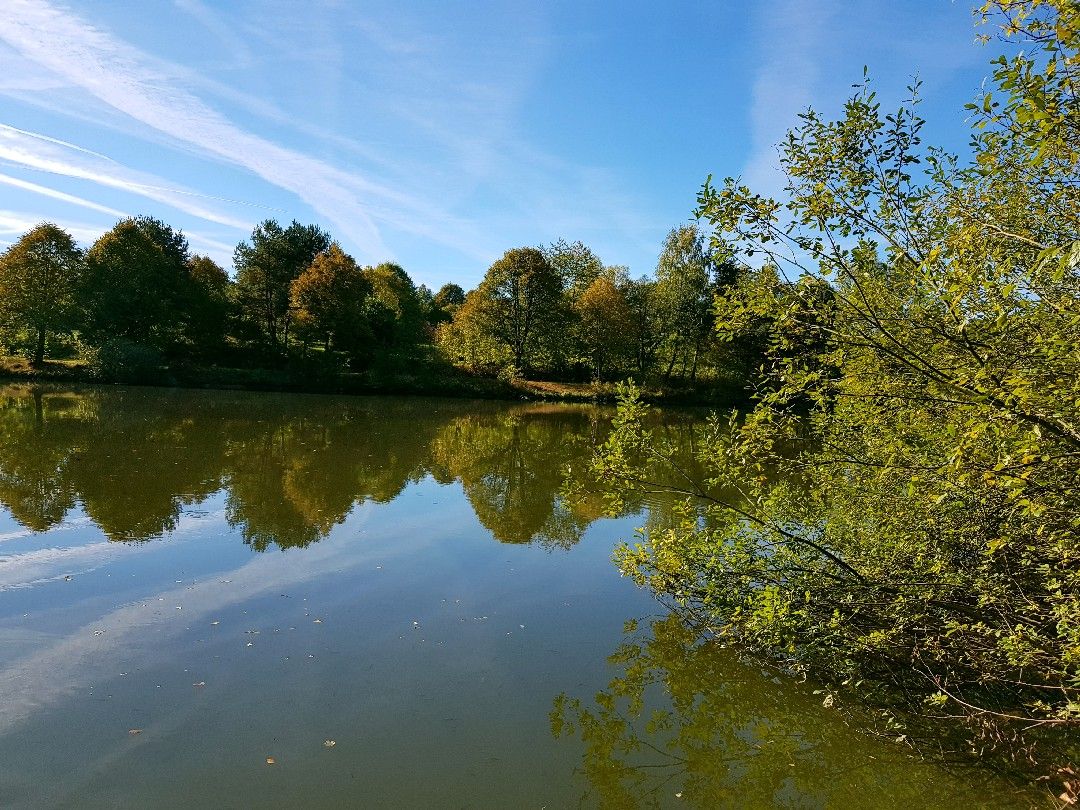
(424, 649)
(687, 723)
(291, 467)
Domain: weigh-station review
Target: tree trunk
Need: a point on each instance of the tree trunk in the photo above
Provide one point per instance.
(39, 350)
(671, 365)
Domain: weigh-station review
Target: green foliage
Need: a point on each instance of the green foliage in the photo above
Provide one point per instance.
(395, 313)
(469, 341)
(449, 297)
(906, 518)
(576, 264)
(39, 281)
(265, 270)
(441, 306)
(330, 301)
(514, 316)
(606, 325)
(136, 284)
(683, 297)
(208, 307)
(123, 361)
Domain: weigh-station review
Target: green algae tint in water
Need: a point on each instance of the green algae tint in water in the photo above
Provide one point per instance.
(248, 600)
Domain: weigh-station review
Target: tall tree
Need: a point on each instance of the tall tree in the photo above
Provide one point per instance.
(576, 264)
(209, 302)
(265, 269)
(136, 283)
(606, 324)
(39, 281)
(444, 304)
(524, 296)
(396, 313)
(330, 301)
(469, 339)
(684, 294)
(646, 331)
(449, 296)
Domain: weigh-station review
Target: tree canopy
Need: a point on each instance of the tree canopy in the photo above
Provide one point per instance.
(266, 268)
(906, 518)
(40, 277)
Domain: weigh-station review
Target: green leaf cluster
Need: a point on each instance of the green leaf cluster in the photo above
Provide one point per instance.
(907, 487)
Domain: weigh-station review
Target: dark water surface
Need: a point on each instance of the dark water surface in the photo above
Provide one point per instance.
(387, 600)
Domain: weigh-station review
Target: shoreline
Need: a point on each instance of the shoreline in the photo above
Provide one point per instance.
(454, 384)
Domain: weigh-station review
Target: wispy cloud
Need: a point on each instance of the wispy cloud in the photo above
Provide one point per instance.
(15, 223)
(45, 191)
(398, 128)
(32, 151)
(792, 37)
(124, 78)
(810, 53)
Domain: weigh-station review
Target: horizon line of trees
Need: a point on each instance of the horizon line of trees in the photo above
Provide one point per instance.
(140, 293)
(139, 298)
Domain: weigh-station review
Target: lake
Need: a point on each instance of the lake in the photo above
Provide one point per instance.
(226, 599)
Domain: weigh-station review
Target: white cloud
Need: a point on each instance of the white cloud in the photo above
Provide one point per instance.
(16, 223)
(124, 78)
(33, 151)
(441, 108)
(45, 191)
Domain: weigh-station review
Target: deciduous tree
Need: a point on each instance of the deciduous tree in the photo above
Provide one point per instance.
(330, 299)
(266, 267)
(523, 303)
(39, 282)
(906, 527)
(136, 284)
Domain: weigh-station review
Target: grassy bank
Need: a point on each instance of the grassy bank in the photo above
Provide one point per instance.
(420, 380)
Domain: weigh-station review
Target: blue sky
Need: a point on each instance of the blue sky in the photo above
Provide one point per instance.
(437, 134)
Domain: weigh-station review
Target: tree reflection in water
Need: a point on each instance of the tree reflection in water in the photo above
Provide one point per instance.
(291, 467)
(687, 722)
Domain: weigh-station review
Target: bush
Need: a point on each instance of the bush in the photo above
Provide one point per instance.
(123, 361)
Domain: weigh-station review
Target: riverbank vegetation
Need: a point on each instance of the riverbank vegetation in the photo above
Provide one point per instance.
(905, 529)
(299, 313)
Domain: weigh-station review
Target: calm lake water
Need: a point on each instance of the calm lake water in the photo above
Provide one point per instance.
(217, 599)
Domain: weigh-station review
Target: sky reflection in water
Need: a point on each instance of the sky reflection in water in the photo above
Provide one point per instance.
(240, 576)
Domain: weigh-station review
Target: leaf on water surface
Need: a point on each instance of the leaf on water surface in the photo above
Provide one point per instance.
(134, 731)
(329, 743)
(199, 685)
(271, 761)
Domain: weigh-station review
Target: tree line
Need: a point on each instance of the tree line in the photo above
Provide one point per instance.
(139, 298)
(140, 293)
